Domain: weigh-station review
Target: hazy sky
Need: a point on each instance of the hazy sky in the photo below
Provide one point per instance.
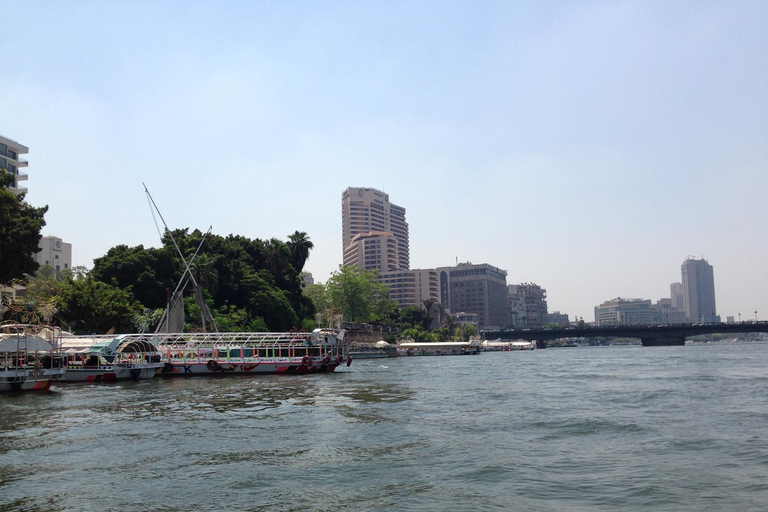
(588, 147)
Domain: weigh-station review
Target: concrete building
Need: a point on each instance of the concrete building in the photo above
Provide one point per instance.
(531, 304)
(677, 296)
(11, 162)
(699, 291)
(557, 318)
(412, 287)
(476, 289)
(627, 312)
(367, 214)
(54, 253)
(669, 314)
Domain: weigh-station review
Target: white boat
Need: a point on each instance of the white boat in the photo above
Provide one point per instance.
(109, 358)
(445, 348)
(28, 361)
(507, 346)
(379, 350)
(250, 353)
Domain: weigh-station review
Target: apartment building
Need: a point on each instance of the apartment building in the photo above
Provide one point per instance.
(11, 162)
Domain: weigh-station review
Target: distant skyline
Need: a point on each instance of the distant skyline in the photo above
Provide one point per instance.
(589, 147)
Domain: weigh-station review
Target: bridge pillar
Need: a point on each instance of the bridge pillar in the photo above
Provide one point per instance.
(671, 341)
(541, 344)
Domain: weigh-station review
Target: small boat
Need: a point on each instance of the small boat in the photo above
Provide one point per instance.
(28, 361)
(250, 353)
(445, 348)
(109, 358)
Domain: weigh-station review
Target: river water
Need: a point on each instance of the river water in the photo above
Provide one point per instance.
(613, 428)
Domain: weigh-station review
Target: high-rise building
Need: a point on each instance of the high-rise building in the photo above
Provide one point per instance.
(374, 231)
(479, 289)
(10, 161)
(412, 287)
(677, 296)
(699, 291)
(530, 305)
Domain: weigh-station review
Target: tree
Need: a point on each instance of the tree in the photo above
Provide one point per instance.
(20, 226)
(354, 292)
(428, 305)
(92, 306)
(299, 246)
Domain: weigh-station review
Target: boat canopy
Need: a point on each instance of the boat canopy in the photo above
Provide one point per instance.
(105, 345)
(382, 344)
(16, 343)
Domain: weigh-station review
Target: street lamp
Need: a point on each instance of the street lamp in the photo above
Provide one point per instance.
(755, 316)
(739, 317)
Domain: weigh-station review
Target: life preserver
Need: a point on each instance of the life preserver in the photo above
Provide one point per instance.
(349, 360)
(327, 360)
(306, 361)
(212, 365)
(339, 359)
(168, 367)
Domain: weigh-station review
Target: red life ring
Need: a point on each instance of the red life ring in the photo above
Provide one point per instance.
(339, 359)
(327, 360)
(306, 361)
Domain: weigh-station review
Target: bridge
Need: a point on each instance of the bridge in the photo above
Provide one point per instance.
(650, 335)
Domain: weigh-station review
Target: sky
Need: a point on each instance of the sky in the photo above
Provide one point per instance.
(589, 147)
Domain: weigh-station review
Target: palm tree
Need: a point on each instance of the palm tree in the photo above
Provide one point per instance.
(299, 245)
(276, 256)
(428, 305)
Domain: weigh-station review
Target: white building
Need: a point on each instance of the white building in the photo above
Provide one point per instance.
(11, 162)
(54, 253)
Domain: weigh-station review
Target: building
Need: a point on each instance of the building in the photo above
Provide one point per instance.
(668, 313)
(557, 318)
(54, 253)
(373, 250)
(530, 306)
(10, 161)
(677, 296)
(367, 215)
(307, 278)
(699, 291)
(412, 287)
(476, 289)
(627, 312)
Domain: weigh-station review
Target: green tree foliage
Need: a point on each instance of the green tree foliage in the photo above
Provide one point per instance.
(249, 284)
(299, 247)
(20, 226)
(416, 317)
(91, 306)
(355, 293)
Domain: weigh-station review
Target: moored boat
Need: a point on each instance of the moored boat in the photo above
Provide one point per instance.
(445, 348)
(28, 361)
(109, 358)
(244, 353)
(379, 350)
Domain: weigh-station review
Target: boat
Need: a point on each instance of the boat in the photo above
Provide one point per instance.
(109, 358)
(244, 353)
(378, 350)
(445, 348)
(508, 346)
(28, 361)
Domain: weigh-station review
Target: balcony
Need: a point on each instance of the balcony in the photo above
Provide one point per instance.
(22, 176)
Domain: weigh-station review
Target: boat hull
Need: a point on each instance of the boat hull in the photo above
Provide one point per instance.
(29, 379)
(200, 368)
(111, 373)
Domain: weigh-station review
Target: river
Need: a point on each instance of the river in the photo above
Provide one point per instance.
(604, 428)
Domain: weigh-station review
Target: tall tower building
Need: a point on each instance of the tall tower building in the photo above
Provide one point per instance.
(11, 162)
(374, 231)
(699, 291)
(677, 295)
